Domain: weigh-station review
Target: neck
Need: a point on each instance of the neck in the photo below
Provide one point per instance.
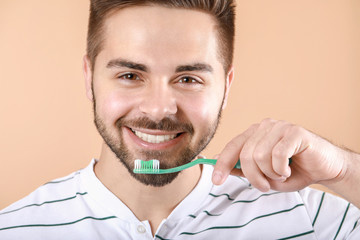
(146, 202)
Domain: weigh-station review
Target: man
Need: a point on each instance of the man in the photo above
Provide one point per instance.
(159, 73)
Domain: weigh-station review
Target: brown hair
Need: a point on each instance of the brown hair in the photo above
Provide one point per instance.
(222, 10)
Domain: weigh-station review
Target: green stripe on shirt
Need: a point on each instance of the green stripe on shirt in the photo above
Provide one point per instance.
(297, 235)
(317, 213)
(242, 201)
(224, 194)
(64, 180)
(161, 238)
(342, 221)
(47, 202)
(253, 200)
(355, 226)
(240, 226)
(57, 224)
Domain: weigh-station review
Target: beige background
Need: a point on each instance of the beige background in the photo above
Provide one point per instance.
(295, 60)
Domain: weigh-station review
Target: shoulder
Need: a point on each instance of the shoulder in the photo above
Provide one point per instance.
(330, 215)
(46, 194)
(62, 208)
(311, 212)
(53, 200)
(235, 208)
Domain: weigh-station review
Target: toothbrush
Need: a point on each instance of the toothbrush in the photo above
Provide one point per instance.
(153, 166)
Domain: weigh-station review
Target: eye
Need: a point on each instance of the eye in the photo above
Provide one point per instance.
(129, 76)
(188, 80)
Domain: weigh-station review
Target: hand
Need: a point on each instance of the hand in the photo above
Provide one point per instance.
(264, 151)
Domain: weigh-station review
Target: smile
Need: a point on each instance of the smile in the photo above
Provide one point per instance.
(154, 138)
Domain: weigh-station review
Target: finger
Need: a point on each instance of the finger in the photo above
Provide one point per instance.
(254, 163)
(263, 151)
(294, 183)
(230, 155)
(283, 150)
(252, 172)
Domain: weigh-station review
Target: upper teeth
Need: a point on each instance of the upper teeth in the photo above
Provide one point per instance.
(154, 138)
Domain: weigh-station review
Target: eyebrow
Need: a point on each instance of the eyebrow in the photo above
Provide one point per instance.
(200, 67)
(117, 63)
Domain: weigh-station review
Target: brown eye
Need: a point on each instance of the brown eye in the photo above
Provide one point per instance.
(187, 80)
(129, 76)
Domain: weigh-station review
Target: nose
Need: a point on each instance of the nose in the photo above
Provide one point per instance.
(158, 102)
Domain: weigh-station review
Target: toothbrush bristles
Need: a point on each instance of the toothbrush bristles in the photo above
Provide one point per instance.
(150, 165)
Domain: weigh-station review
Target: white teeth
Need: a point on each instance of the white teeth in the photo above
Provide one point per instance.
(154, 138)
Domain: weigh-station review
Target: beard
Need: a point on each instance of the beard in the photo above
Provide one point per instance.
(167, 158)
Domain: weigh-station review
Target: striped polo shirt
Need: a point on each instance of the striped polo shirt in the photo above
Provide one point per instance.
(79, 206)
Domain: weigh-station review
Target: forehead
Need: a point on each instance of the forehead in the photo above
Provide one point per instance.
(150, 33)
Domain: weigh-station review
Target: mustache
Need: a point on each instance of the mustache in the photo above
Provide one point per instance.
(165, 124)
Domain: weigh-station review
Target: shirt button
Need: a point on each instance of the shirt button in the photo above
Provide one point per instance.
(141, 229)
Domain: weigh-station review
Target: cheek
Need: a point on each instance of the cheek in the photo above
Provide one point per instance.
(202, 110)
(113, 105)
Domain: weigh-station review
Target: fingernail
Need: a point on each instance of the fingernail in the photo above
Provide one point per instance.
(283, 179)
(280, 179)
(217, 177)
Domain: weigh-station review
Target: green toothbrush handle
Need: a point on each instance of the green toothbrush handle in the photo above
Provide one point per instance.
(213, 162)
(238, 165)
(147, 167)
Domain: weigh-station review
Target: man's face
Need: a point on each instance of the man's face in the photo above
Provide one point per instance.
(158, 86)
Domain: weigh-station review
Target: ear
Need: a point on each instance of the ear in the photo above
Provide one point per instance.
(88, 77)
(229, 80)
